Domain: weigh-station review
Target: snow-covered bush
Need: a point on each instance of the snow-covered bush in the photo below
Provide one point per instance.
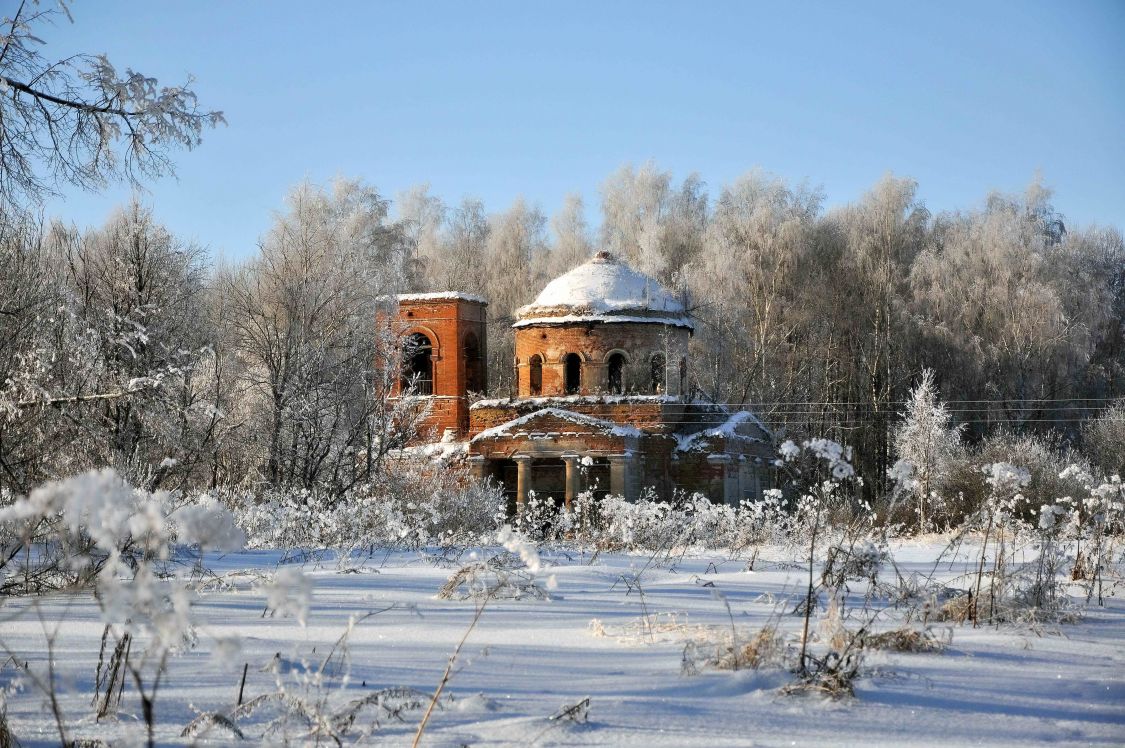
(404, 508)
(1103, 439)
(95, 532)
(1045, 457)
(92, 528)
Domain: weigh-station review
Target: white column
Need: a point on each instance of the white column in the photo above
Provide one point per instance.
(523, 480)
(572, 478)
(727, 486)
(620, 475)
(479, 467)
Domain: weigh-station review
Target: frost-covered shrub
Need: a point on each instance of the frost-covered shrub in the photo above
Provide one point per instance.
(95, 532)
(1103, 439)
(1045, 458)
(540, 520)
(926, 442)
(91, 528)
(688, 520)
(1094, 523)
(403, 508)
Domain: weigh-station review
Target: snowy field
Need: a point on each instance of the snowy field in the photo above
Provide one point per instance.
(611, 628)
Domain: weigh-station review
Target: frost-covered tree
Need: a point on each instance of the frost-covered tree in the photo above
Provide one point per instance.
(516, 241)
(32, 332)
(461, 264)
(102, 331)
(926, 444)
(572, 243)
(882, 234)
(746, 279)
(1009, 305)
(422, 217)
(1103, 439)
(302, 325)
(77, 119)
(652, 224)
(139, 293)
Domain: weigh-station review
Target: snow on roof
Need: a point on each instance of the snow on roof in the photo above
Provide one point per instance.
(440, 451)
(726, 430)
(441, 296)
(541, 402)
(598, 291)
(570, 319)
(606, 427)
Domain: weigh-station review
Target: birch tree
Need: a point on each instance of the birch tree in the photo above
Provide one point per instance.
(303, 326)
(748, 280)
(651, 224)
(140, 291)
(516, 242)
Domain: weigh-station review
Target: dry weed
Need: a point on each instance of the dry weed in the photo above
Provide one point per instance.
(719, 650)
(660, 627)
(906, 639)
(492, 579)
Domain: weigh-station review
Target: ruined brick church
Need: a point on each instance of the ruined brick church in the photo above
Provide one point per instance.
(601, 366)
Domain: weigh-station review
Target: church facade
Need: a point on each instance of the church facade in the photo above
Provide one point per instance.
(601, 404)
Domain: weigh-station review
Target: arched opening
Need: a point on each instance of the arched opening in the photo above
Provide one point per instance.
(614, 369)
(572, 373)
(535, 375)
(683, 376)
(474, 369)
(417, 365)
(656, 380)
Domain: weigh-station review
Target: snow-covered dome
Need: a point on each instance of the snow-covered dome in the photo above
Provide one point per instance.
(603, 290)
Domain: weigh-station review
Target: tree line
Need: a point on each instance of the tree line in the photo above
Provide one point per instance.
(126, 345)
(823, 321)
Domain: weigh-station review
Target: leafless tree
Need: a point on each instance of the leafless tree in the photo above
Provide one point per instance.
(77, 119)
(302, 324)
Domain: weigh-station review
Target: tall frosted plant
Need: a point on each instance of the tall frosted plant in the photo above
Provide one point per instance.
(926, 444)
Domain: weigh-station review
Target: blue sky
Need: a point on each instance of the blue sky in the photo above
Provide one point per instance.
(497, 100)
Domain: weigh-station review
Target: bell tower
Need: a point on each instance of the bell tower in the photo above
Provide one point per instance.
(444, 355)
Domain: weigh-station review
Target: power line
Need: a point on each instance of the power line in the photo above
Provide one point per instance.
(1005, 401)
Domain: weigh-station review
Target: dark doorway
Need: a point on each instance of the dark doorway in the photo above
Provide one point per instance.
(659, 365)
(474, 367)
(597, 477)
(572, 364)
(535, 375)
(505, 472)
(615, 367)
(417, 365)
(548, 480)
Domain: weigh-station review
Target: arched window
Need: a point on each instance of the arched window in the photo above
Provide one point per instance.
(535, 375)
(572, 373)
(614, 368)
(683, 376)
(417, 365)
(474, 370)
(659, 364)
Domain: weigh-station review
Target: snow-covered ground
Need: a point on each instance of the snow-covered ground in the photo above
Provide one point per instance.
(613, 630)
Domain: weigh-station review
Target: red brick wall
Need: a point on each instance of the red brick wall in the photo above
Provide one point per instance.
(594, 342)
(447, 323)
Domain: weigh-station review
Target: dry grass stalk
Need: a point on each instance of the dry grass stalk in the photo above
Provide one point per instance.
(954, 610)
(717, 650)
(905, 639)
(487, 580)
(669, 626)
(205, 722)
